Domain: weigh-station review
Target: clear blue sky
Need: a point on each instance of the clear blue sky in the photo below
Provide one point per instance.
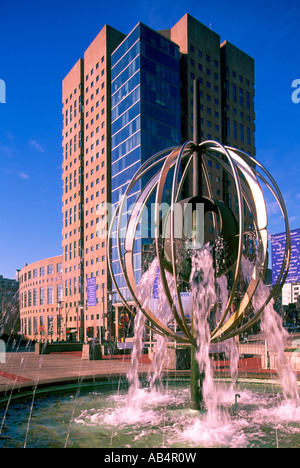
(39, 43)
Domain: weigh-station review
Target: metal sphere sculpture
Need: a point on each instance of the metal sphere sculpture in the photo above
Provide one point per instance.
(167, 172)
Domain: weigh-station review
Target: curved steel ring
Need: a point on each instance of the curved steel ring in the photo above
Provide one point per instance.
(245, 171)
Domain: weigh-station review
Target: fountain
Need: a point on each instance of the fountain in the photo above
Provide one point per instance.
(221, 277)
(189, 260)
(200, 288)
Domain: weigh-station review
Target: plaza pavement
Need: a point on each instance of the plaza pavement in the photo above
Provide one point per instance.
(25, 371)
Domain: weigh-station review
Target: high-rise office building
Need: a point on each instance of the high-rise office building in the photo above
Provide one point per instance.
(87, 177)
(130, 97)
(226, 77)
(200, 60)
(145, 115)
(226, 81)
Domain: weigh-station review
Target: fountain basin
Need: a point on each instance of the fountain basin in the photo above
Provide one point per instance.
(101, 415)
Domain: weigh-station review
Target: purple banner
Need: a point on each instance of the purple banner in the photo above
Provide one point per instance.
(91, 289)
(278, 250)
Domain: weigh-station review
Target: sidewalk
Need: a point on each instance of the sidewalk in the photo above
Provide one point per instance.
(248, 367)
(27, 370)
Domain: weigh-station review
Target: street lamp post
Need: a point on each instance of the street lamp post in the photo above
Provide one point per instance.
(59, 318)
(67, 315)
(77, 319)
(101, 310)
(84, 325)
(110, 296)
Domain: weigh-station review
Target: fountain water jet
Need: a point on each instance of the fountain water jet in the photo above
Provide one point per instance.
(215, 315)
(203, 299)
(180, 230)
